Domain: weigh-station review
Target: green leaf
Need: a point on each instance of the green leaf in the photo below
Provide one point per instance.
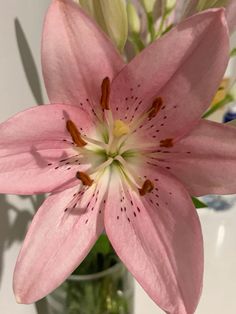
(102, 245)
(101, 257)
(228, 98)
(197, 203)
(233, 53)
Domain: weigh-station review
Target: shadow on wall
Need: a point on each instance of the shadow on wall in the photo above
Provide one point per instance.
(14, 224)
(14, 220)
(33, 79)
(28, 63)
(12, 230)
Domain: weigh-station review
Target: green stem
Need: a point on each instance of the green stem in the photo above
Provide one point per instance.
(151, 27)
(228, 98)
(168, 28)
(233, 53)
(160, 30)
(137, 42)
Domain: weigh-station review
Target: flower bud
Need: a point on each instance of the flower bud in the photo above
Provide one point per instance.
(148, 5)
(111, 15)
(206, 4)
(133, 19)
(170, 4)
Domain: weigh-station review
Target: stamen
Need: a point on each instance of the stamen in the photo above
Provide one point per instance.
(86, 180)
(141, 148)
(156, 106)
(151, 113)
(168, 142)
(130, 175)
(146, 188)
(75, 134)
(94, 142)
(105, 93)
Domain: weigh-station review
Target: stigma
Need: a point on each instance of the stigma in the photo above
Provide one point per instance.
(120, 128)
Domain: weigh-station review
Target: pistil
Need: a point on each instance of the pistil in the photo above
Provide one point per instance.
(120, 128)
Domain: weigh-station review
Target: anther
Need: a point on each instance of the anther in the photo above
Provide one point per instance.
(75, 134)
(147, 187)
(155, 108)
(105, 93)
(86, 180)
(168, 142)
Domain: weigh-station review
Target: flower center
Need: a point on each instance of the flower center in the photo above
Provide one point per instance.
(112, 147)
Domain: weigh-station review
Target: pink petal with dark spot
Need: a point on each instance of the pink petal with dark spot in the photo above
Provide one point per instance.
(62, 232)
(204, 161)
(177, 68)
(33, 143)
(159, 239)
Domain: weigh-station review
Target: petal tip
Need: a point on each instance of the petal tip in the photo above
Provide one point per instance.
(222, 16)
(18, 299)
(221, 12)
(22, 297)
(59, 2)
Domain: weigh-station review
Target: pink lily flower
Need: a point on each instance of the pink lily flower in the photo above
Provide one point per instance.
(121, 147)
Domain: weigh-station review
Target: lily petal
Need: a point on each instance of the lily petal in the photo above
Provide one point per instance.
(205, 160)
(62, 232)
(178, 75)
(158, 237)
(33, 145)
(76, 56)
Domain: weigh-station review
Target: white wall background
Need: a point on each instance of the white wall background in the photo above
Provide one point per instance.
(15, 95)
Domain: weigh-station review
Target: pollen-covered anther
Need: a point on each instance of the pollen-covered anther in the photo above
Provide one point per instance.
(168, 142)
(106, 88)
(75, 134)
(155, 108)
(86, 180)
(147, 187)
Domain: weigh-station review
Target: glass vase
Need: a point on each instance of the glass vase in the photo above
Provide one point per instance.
(107, 292)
